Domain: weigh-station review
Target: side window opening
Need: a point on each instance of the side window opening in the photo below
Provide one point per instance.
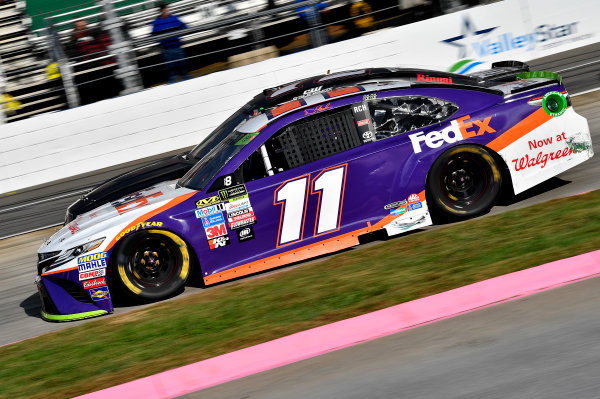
(304, 141)
(398, 115)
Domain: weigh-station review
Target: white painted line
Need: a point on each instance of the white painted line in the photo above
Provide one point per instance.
(584, 92)
(30, 231)
(45, 200)
(578, 66)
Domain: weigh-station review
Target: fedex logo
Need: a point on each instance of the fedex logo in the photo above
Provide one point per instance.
(458, 130)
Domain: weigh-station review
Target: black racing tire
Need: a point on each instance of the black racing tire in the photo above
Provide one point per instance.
(462, 183)
(151, 265)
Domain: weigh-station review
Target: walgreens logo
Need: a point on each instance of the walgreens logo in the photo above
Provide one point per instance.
(458, 130)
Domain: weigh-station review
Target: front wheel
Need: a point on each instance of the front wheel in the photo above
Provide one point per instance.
(463, 182)
(151, 265)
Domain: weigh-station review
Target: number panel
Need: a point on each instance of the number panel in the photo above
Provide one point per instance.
(330, 185)
(292, 196)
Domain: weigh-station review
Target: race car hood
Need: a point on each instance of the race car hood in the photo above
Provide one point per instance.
(109, 218)
(138, 179)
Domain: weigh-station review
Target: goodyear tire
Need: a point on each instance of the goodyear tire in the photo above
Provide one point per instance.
(463, 182)
(151, 265)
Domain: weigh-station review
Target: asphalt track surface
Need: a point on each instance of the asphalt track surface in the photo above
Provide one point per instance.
(38, 207)
(545, 346)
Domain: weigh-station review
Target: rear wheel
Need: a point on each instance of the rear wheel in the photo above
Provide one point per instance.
(152, 265)
(463, 182)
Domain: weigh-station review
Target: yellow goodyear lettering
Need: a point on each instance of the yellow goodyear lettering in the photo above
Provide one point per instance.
(138, 226)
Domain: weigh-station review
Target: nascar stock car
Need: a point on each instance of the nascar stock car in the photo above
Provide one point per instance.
(306, 168)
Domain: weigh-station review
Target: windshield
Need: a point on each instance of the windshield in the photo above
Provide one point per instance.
(224, 129)
(202, 173)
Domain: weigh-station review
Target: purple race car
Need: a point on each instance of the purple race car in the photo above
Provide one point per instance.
(305, 169)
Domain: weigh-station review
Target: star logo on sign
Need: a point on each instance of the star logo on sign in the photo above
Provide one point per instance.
(468, 34)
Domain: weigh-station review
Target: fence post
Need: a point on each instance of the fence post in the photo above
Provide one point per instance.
(57, 54)
(2, 91)
(127, 71)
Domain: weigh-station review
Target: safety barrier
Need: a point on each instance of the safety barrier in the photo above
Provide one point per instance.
(67, 143)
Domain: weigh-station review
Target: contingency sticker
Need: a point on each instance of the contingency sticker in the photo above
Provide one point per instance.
(232, 192)
(91, 262)
(219, 242)
(99, 294)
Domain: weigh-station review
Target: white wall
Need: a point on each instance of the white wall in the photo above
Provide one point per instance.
(67, 143)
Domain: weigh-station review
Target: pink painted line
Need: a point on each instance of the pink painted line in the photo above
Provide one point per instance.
(320, 340)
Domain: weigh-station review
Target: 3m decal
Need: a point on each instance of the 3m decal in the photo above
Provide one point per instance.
(141, 225)
(94, 283)
(396, 204)
(231, 192)
(292, 195)
(245, 234)
(457, 131)
(99, 294)
(208, 201)
(136, 203)
(210, 210)
(92, 274)
(91, 262)
(213, 220)
(318, 108)
(219, 242)
(216, 231)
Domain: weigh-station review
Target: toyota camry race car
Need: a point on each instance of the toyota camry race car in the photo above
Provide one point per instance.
(305, 169)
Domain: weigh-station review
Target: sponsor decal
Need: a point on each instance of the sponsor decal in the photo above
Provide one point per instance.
(483, 44)
(367, 135)
(92, 274)
(208, 201)
(91, 262)
(541, 159)
(578, 147)
(396, 204)
(318, 108)
(215, 231)
(142, 225)
(405, 225)
(398, 211)
(427, 78)
(135, 203)
(363, 122)
(242, 223)
(212, 220)
(94, 283)
(238, 212)
(237, 204)
(457, 131)
(360, 108)
(246, 138)
(99, 294)
(414, 198)
(245, 234)
(371, 96)
(231, 192)
(219, 242)
(244, 216)
(73, 227)
(210, 210)
(412, 207)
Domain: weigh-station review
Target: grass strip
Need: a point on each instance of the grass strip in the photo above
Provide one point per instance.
(118, 349)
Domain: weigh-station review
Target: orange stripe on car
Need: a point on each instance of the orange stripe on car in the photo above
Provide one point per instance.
(341, 92)
(146, 216)
(285, 107)
(533, 121)
(308, 251)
